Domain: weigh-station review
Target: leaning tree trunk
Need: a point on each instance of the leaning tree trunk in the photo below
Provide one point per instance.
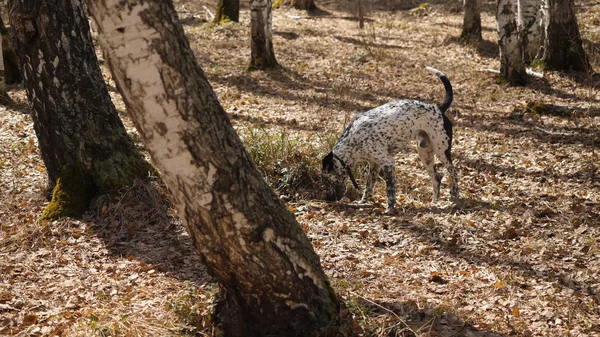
(262, 55)
(83, 143)
(512, 67)
(529, 21)
(562, 47)
(471, 30)
(271, 279)
(227, 10)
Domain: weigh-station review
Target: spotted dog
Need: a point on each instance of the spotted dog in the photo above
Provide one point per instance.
(375, 136)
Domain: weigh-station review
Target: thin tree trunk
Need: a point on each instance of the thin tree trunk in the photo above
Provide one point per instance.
(512, 67)
(262, 55)
(4, 98)
(271, 279)
(529, 22)
(83, 143)
(562, 47)
(361, 14)
(227, 10)
(471, 29)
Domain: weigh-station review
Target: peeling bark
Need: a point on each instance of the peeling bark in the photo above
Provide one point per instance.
(82, 140)
(471, 29)
(262, 55)
(512, 67)
(530, 25)
(227, 10)
(271, 279)
(562, 47)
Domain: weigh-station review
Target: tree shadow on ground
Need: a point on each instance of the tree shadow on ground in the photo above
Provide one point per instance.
(288, 124)
(136, 223)
(364, 43)
(433, 321)
(484, 48)
(516, 126)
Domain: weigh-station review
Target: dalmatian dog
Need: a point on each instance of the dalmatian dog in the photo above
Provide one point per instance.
(375, 136)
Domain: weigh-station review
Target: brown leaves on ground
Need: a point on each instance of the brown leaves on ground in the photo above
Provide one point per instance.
(517, 255)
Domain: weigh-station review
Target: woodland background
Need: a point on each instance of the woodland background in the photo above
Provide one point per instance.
(517, 256)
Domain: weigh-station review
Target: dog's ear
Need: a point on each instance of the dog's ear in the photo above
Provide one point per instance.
(328, 162)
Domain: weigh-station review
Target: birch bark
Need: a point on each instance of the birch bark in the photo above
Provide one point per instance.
(512, 67)
(83, 143)
(271, 279)
(530, 25)
(262, 55)
(562, 46)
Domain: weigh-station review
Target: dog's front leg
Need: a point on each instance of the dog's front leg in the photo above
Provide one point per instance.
(388, 176)
(371, 179)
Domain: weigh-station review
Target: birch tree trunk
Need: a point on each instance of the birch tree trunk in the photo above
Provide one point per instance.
(471, 21)
(271, 279)
(512, 67)
(83, 143)
(227, 10)
(562, 47)
(262, 55)
(529, 22)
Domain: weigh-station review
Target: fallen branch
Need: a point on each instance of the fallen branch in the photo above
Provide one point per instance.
(209, 13)
(529, 72)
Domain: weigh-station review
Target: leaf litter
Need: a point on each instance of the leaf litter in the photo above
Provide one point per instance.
(517, 255)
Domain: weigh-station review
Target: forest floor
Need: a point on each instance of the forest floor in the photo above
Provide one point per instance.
(518, 255)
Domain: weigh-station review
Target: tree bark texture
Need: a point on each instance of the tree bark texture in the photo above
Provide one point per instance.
(227, 10)
(12, 73)
(83, 143)
(471, 29)
(530, 25)
(512, 67)
(4, 98)
(271, 279)
(262, 55)
(562, 47)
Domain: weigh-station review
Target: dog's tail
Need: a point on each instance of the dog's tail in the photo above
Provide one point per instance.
(449, 95)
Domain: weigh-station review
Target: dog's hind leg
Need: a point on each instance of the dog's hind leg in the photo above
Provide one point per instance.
(371, 179)
(426, 155)
(388, 176)
(446, 159)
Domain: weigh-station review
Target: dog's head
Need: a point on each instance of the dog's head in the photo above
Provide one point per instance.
(333, 176)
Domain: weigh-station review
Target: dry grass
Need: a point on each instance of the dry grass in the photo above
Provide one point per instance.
(517, 256)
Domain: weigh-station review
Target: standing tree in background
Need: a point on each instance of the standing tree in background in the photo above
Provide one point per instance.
(4, 98)
(227, 10)
(12, 73)
(529, 21)
(271, 280)
(512, 67)
(262, 55)
(562, 47)
(83, 143)
(471, 30)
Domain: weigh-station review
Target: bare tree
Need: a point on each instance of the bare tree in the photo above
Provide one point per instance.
(83, 143)
(471, 29)
(227, 10)
(262, 55)
(271, 279)
(512, 67)
(4, 98)
(12, 73)
(562, 47)
(529, 22)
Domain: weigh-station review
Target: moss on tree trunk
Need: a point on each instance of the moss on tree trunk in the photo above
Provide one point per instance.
(227, 10)
(82, 140)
